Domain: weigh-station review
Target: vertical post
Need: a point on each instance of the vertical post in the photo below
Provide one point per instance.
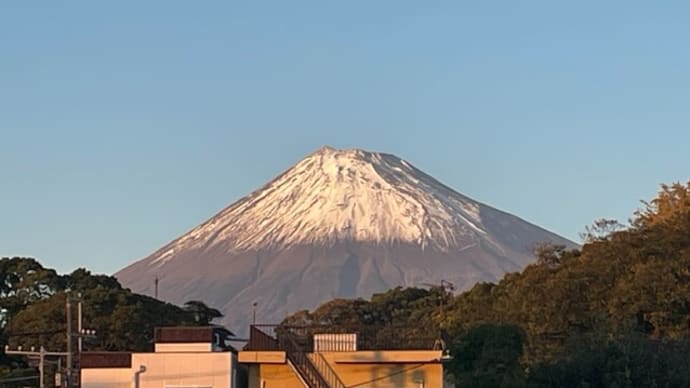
(254, 313)
(79, 325)
(68, 367)
(443, 302)
(59, 369)
(41, 367)
(155, 288)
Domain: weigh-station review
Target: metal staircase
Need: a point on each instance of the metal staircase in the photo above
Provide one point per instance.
(326, 371)
(303, 350)
(312, 367)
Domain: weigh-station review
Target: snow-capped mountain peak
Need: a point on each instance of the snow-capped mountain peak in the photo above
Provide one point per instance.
(337, 195)
(339, 223)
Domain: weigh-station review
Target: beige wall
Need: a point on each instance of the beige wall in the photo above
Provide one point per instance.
(183, 347)
(405, 356)
(262, 357)
(107, 378)
(198, 370)
(276, 376)
(383, 369)
(391, 375)
(387, 369)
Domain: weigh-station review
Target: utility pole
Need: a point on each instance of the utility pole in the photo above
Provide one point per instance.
(155, 288)
(59, 369)
(69, 355)
(69, 366)
(70, 358)
(446, 289)
(41, 369)
(79, 328)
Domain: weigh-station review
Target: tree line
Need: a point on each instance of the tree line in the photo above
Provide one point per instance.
(613, 313)
(33, 312)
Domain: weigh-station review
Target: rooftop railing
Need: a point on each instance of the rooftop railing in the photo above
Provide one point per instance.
(274, 337)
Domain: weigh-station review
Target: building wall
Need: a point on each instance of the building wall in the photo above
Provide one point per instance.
(107, 378)
(387, 369)
(276, 376)
(382, 369)
(166, 370)
(262, 357)
(391, 375)
(183, 347)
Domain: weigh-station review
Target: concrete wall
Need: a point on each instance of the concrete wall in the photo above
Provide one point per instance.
(183, 347)
(166, 370)
(277, 376)
(385, 356)
(264, 357)
(388, 369)
(382, 369)
(107, 378)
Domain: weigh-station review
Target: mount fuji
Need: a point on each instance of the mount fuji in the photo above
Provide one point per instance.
(338, 224)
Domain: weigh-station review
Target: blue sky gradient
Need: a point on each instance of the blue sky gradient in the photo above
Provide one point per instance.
(124, 124)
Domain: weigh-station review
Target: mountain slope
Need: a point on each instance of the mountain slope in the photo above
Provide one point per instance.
(340, 223)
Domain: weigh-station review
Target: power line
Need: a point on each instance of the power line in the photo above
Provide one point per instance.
(14, 379)
(41, 354)
(71, 366)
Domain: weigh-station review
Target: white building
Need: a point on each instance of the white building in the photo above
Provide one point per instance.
(184, 357)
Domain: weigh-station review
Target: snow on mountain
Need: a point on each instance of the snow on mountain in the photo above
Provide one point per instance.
(349, 195)
(340, 223)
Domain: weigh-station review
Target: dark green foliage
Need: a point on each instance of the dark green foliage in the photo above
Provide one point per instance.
(122, 319)
(23, 281)
(400, 317)
(624, 297)
(489, 356)
(82, 279)
(630, 361)
(640, 273)
(33, 302)
(615, 313)
(398, 307)
(202, 314)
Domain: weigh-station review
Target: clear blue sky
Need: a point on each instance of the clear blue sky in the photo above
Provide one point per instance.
(124, 124)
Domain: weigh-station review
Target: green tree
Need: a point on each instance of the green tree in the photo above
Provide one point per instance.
(202, 313)
(23, 281)
(489, 356)
(123, 320)
(670, 207)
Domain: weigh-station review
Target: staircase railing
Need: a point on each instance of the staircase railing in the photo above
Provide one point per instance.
(322, 365)
(305, 367)
(316, 372)
(369, 337)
